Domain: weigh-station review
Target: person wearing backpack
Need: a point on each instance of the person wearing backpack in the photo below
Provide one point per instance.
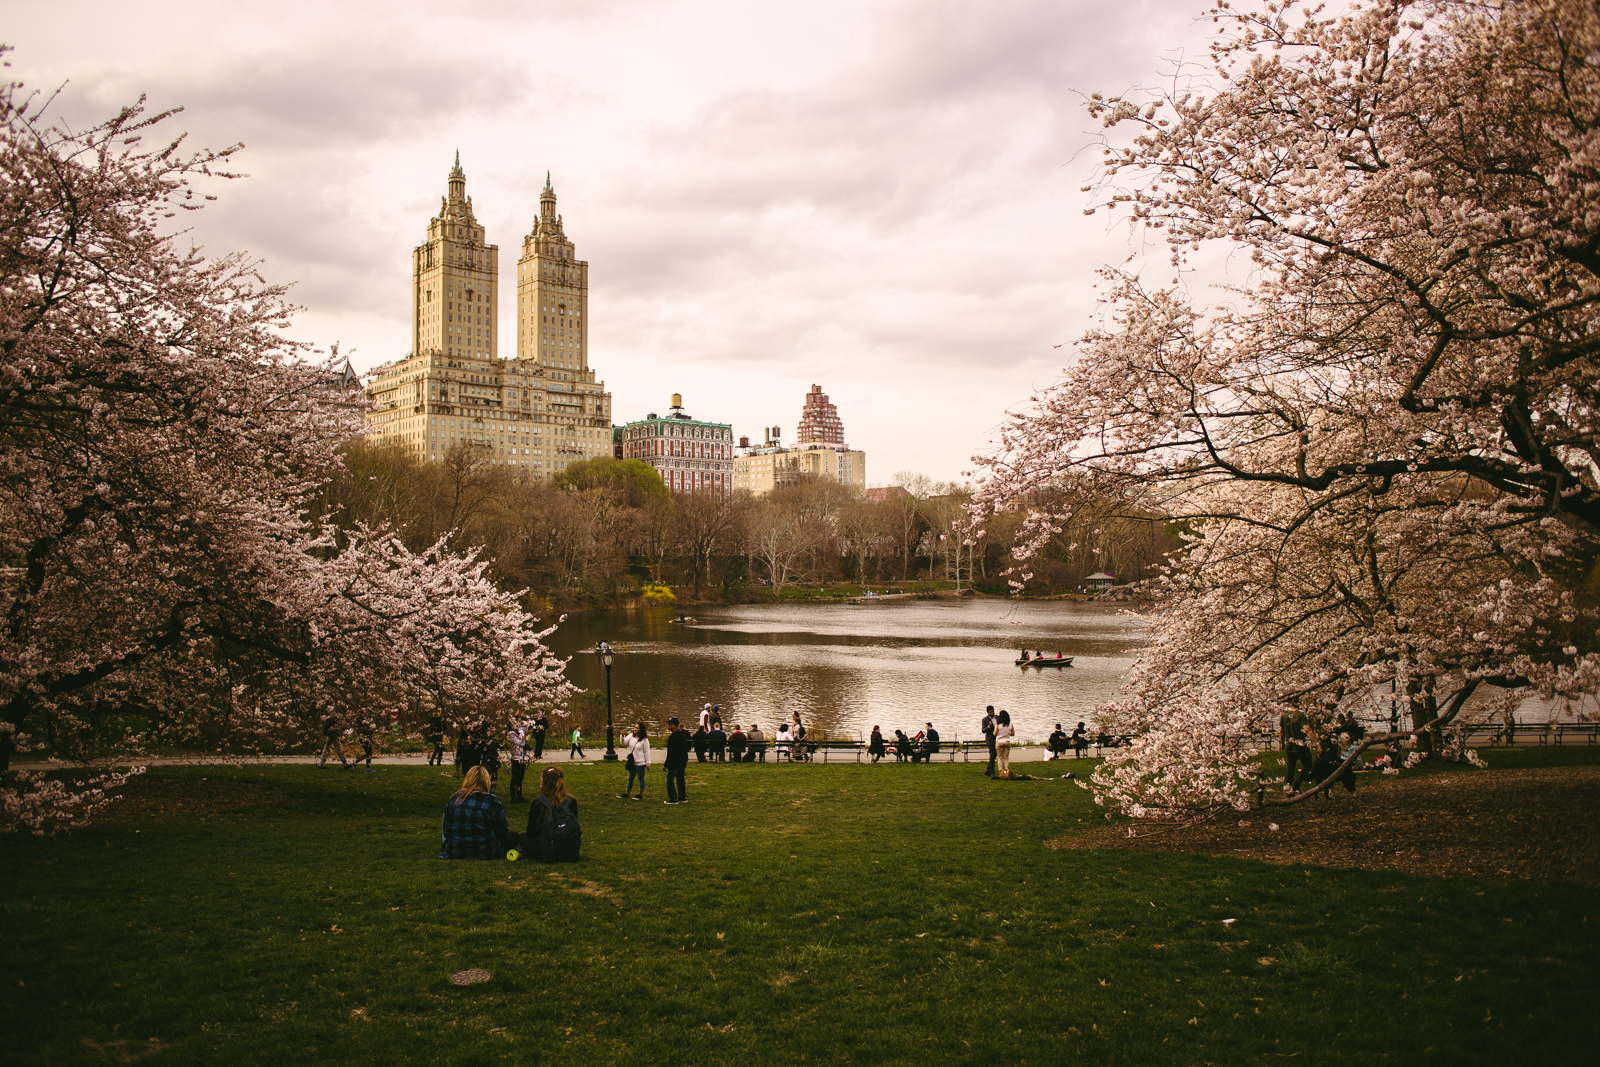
(638, 749)
(554, 835)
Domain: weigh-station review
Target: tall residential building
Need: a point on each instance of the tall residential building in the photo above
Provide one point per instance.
(819, 422)
(691, 456)
(537, 412)
(820, 453)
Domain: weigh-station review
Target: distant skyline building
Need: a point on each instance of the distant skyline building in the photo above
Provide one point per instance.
(691, 455)
(820, 452)
(537, 412)
(819, 422)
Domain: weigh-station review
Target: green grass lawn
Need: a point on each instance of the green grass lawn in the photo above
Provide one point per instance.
(826, 914)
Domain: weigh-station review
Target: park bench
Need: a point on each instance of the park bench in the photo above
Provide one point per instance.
(1585, 730)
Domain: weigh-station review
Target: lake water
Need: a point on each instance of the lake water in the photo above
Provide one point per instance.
(843, 667)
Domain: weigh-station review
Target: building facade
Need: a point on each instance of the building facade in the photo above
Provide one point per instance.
(692, 456)
(537, 412)
(820, 453)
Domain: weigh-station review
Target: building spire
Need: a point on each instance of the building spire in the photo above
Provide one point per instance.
(458, 180)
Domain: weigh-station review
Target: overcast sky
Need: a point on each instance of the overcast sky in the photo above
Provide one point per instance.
(879, 198)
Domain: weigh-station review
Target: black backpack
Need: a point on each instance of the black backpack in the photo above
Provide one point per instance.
(560, 823)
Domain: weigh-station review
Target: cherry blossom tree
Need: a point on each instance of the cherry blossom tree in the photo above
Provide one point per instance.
(1385, 444)
(164, 575)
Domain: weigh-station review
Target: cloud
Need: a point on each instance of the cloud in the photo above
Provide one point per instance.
(881, 198)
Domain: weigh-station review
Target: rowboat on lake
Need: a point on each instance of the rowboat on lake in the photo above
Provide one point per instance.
(1046, 661)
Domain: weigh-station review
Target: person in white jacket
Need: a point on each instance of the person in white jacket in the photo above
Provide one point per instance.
(1003, 733)
(638, 760)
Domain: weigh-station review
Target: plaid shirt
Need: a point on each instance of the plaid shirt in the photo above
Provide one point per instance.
(474, 829)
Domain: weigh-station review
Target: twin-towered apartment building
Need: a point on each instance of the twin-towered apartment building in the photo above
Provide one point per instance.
(543, 409)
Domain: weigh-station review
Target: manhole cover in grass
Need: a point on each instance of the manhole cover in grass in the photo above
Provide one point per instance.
(471, 977)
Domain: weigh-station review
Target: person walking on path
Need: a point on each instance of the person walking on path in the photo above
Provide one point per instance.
(638, 761)
(988, 736)
(519, 759)
(331, 739)
(541, 725)
(1003, 733)
(364, 733)
(577, 743)
(678, 744)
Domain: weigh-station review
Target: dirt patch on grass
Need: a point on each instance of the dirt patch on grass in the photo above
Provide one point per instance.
(1507, 825)
(151, 798)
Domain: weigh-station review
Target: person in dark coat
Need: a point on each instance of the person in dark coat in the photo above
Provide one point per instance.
(702, 741)
(736, 744)
(435, 736)
(489, 757)
(988, 726)
(1080, 740)
(466, 752)
(1328, 761)
(902, 746)
(719, 743)
(1296, 749)
(541, 726)
(1057, 742)
(678, 745)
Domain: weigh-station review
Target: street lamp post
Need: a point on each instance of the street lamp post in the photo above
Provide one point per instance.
(607, 658)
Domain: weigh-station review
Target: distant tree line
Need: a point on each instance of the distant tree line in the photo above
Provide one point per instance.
(598, 531)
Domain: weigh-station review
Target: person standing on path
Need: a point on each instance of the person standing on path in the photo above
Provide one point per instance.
(331, 740)
(519, 759)
(638, 761)
(988, 736)
(1003, 733)
(705, 718)
(541, 725)
(678, 745)
(1297, 749)
(577, 743)
(435, 737)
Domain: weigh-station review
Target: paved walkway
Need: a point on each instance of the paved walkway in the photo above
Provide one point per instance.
(1031, 754)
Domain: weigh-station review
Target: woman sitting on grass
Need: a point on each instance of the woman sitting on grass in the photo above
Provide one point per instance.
(474, 826)
(553, 833)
